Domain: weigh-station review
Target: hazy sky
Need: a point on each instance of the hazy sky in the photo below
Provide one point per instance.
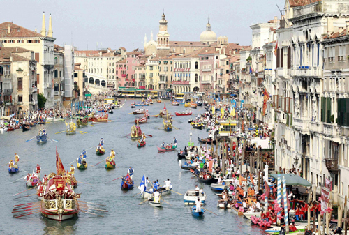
(115, 23)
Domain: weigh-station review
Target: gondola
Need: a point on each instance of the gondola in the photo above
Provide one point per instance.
(25, 127)
(197, 214)
(125, 183)
(206, 141)
(41, 139)
(208, 181)
(182, 154)
(141, 144)
(167, 149)
(183, 114)
(110, 111)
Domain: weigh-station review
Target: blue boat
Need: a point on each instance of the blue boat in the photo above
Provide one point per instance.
(124, 183)
(41, 139)
(142, 104)
(197, 214)
(13, 170)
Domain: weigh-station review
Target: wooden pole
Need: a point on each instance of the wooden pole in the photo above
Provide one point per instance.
(319, 224)
(345, 215)
(340, 215)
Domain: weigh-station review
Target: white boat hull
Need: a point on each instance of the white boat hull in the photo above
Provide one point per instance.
(190, 197)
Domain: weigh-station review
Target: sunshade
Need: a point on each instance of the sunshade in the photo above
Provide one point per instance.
(292, 179)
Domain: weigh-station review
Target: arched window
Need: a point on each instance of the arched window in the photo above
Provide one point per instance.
(91, 80)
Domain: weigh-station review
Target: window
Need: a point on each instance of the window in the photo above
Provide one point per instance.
(19, 84)
(75, 75)
(55, 72)
(196, 77)
(196, 65)
(19, 99)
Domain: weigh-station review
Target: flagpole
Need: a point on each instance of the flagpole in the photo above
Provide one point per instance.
(285, 204)
(279, 199)
(267, 185)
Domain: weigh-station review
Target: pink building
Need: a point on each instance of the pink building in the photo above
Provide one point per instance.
(120, 72)
(208, 73)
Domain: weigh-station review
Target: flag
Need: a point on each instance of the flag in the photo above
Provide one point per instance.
(142, 183)
(59, 165)
(266, 97)
(276, 47)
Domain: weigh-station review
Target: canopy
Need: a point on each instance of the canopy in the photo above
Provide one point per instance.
(5, 117)
(292, 179)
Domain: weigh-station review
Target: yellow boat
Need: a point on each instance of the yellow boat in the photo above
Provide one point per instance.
(100, 151)
(167, 125)
(109, 164)
(187, 105)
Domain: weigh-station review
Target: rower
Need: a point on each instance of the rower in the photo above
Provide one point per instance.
(80, 159)
(198, 205)
(130, 172)
(72, 169)
(156, 196)
(101, 142)
(16, 158)
(112, 154)
(156, 185)
(163, 145)
(10, 164)
(175, 141)
(168, 185)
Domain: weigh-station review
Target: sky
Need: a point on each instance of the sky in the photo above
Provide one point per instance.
(116, 23)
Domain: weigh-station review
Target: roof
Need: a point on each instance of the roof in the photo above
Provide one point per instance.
(187, 44)
(121, 61)
(123, 48)
(7, 52)
(301, 3)
(292, 179)
(86, 53)
(336, 34)
(16, 31)
(207, 51)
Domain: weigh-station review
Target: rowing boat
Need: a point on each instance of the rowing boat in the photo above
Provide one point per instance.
(183, 114)
(100, 151)
(197, 214)
(141, 144)
(168, 148)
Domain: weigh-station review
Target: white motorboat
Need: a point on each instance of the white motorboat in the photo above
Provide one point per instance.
(155, 204)
(190, 197)
(221, 186)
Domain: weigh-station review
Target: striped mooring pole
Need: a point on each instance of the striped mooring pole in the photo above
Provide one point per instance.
(285, 204)
(279, 199)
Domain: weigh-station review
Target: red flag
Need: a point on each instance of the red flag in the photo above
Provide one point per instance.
(59, 165)
(266, 97)
(276, 47)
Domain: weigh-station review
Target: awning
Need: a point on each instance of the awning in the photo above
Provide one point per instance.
(5, 117)
(292, 179)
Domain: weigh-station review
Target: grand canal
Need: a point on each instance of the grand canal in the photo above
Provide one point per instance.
(125, 215)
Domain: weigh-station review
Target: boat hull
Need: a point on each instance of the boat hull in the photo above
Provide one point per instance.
(142, 144)
(108, 165)
(126, 186)
(183, 114)
(100, 152)
(81, 166)
(197, 214)
(161, 150)
(41, 139)
(13, 170)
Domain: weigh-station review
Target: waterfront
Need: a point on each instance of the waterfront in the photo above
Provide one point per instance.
(124, 215)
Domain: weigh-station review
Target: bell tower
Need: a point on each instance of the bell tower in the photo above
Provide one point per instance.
(163, 37)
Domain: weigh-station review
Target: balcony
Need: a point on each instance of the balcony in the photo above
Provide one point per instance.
(206, 70)
(7, 92)
(123, 75)
(180, 82)
(56, 93)
(332, 164)
(306, 71)
(206, 82)
(33, 102)
(33, 89)
(301, 125)
(329, 129)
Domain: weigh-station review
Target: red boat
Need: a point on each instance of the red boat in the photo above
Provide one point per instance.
(141, 144)
(10, 128)
(141, 120)
(167, 148)
(183, 114)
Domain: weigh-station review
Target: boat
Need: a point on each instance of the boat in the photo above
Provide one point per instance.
(126, 183)
(155, 204)
(167, 148)
(136, 132)
(143, 119)
(174, 103)
(197, 125)
(133, 105)
(197, 214)
(41, 138)
(25, 127)
(81, 164)
(32, 180)
(110, 111)
(224, 205)
(82, 122)
(10, 128)
(60, 204)
(98, 118)
(183, 114)
(218, 187)
(193, 105)
(141, 144)
(139, 111)
(206, 141)
(70, 128)
(199, 103)
(100, 151)
(182, 154)
(13, 168)
(191, 196)
(167, 125)
(207, 181)
(109, 163)
(142, 104)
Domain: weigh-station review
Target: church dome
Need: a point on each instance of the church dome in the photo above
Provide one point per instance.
(208, 36)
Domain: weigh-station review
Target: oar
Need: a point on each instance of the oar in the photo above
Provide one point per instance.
(25, 214)
(150, 135)
(22, 192)
(136, 194)
(59, 132)
(82, 182)
(166, 202)
(114, 179)
(210, 211)
(98, 163)
(25, 196)
(144, 201)
(176, 128)
(177, 193)
(30, 139)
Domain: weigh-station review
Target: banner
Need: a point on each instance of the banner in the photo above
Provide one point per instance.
(59, 165)
(266, 97)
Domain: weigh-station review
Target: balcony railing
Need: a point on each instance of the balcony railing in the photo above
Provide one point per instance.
(56, 93)
(7, 92)
(332, 164)
(180, 82)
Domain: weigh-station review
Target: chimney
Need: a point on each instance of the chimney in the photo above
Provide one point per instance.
(43, 30)
(49, 33)
(8, 29)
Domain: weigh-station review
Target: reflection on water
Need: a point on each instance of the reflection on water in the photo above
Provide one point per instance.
(59, 227)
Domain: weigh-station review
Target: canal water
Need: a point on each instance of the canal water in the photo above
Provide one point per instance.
(125, 215)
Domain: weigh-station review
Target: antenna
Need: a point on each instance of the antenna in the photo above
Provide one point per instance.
(281, 13)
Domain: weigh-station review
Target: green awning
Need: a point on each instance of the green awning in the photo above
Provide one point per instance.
(292, 179)
(88, 94)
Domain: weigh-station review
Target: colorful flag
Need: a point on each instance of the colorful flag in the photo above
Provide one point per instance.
(266, 97)
(276, 47)
(59, 165)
